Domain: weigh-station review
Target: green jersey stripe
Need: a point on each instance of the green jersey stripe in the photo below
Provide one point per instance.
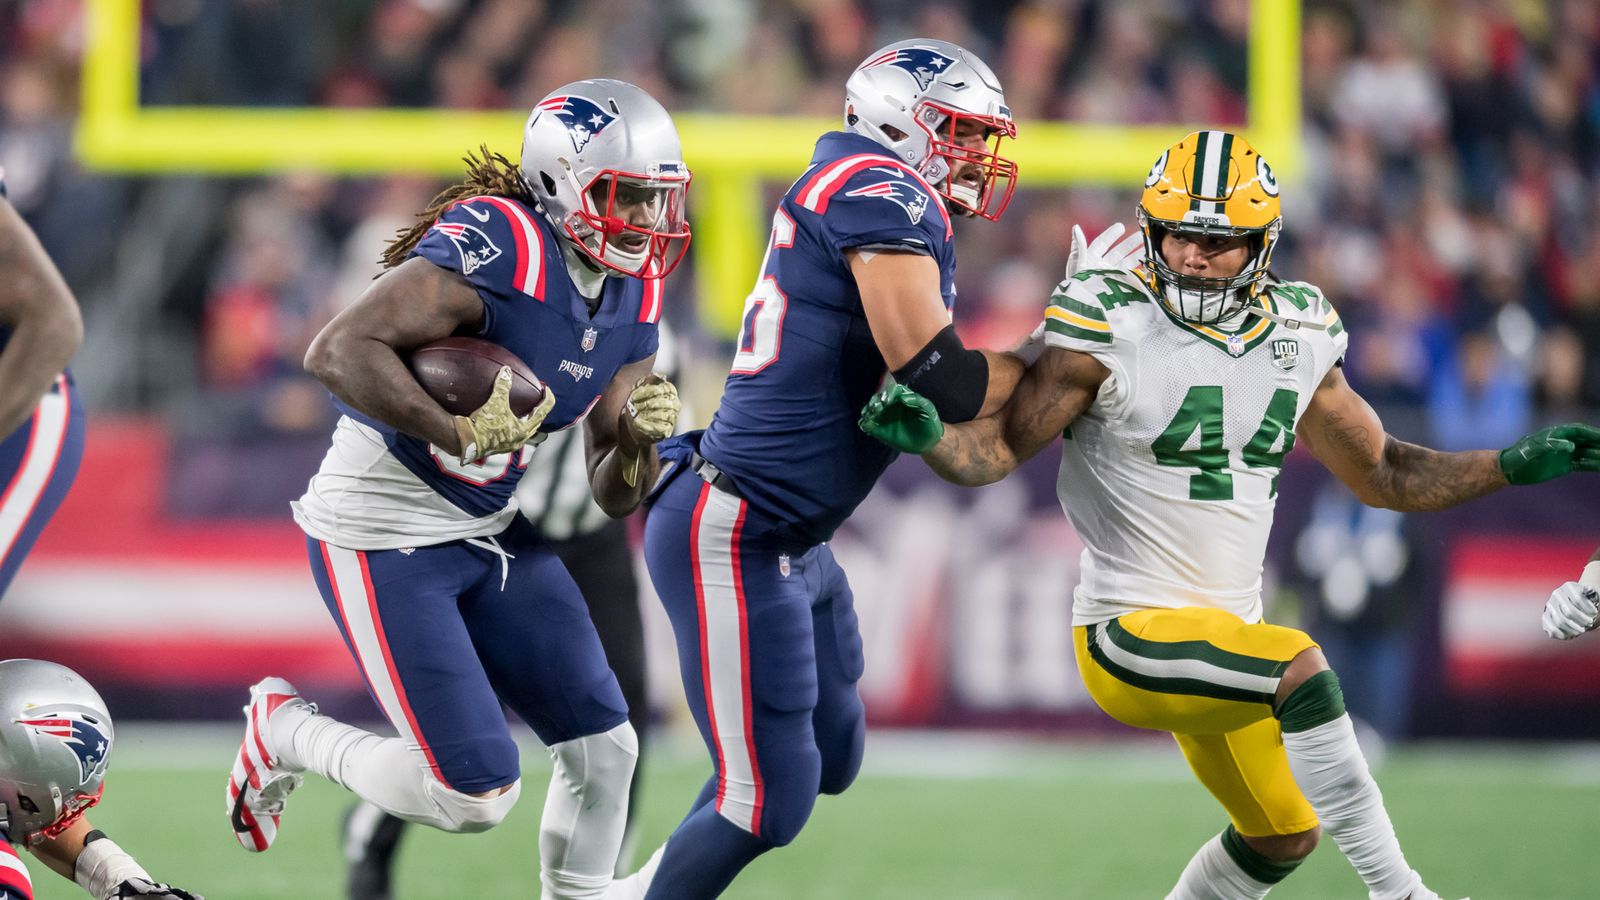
(1199, 651)
(1072, 331)
(1067, 301)
(1192, 687)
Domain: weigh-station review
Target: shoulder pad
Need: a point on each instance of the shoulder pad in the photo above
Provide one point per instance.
(875, 177)
(1086, 305)
(498, 230)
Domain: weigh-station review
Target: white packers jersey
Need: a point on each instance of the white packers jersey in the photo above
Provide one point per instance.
(1171, 476)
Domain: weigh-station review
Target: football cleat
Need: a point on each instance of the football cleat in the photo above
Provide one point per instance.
(371, 837)
(258, 784)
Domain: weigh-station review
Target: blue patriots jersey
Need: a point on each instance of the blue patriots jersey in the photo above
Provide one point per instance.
(806, 361)
(511, 254)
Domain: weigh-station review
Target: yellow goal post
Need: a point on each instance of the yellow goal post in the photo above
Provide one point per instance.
(730, 155)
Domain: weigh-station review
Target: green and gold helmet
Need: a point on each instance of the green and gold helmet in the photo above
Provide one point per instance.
(1211, 183)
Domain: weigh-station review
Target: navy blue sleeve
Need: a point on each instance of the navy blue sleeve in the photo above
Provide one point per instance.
(884, 205)
(646, 343)
(494, 244)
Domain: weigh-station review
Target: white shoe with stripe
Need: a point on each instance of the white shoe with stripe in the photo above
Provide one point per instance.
(258, 784)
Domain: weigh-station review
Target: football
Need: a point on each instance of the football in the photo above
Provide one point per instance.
(459, 373)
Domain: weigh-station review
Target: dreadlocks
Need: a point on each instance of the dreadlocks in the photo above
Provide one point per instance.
(491, 174)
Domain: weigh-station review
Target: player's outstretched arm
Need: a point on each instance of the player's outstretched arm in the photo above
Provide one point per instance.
(1053, 392)
(103, 869)
(359, 354)
(39, 309)
(638, 409)
(901, 299)
(1345, 435)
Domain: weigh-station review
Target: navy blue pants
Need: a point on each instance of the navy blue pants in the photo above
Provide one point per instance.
(38, 462)
(770, 653)
(445, 634)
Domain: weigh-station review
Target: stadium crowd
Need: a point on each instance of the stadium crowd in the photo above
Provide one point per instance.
(1450, 206)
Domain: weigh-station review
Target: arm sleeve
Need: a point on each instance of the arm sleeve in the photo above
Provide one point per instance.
(645, 343)
(1074, 320)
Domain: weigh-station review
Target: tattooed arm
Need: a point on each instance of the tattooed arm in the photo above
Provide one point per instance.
(1054, 391)
(1345, 435)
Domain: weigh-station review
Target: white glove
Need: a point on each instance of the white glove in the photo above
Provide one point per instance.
(1571, 610)
(1105, 251)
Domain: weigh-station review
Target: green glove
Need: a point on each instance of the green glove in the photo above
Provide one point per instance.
(903, 419)
(1552, 453)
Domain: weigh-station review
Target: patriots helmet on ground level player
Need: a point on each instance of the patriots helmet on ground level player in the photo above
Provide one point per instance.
(914, 96)
(1210, 184)
(55, 739)
(602, 158)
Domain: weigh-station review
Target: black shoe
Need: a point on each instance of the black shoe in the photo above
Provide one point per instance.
(371, 837)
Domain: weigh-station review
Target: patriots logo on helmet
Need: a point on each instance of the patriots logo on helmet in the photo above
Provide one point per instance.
(913, 201)
(923, 64)
(583, 117)
(474, 246)
(83, 734)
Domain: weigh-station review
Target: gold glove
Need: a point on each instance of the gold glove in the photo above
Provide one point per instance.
(650, 415)
(494, 428)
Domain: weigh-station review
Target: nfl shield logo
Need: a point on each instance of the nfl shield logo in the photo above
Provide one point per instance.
(783, 564)
(1235, 345)
(589, 335)
(1285, 353)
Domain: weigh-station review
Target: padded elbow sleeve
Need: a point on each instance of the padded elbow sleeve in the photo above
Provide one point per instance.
(952, 377)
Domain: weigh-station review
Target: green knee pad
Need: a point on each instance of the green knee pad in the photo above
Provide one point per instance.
(1317, 701)
(1258, 867)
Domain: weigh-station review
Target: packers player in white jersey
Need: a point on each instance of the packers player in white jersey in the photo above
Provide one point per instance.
(1178, 388)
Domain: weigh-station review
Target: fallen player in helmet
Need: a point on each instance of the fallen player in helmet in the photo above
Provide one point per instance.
(55, 744)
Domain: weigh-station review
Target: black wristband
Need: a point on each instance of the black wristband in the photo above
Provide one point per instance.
(953, 378)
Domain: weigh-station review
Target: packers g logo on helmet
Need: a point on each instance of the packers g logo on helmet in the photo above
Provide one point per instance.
(1211, 183)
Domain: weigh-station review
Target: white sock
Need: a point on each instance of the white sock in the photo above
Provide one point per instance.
(1214, 875)
(585, 812)
(635, 886)
(1331, 772)
(383, 771)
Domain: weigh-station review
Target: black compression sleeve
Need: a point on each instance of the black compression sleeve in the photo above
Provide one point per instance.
(954, 378)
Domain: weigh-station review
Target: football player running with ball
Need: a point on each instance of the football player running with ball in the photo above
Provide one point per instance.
(450, 602)
(1178, 389)
(55, 743)
(857, 281)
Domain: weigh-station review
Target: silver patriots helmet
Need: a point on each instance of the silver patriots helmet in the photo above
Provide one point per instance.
(912, 97)
(602, 159)
(55, 739)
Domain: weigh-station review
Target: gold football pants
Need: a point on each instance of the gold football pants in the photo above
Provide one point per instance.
(1208, 678)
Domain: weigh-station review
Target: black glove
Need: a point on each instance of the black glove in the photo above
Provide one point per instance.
(139, 887)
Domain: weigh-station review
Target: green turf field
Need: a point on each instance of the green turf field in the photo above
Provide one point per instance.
(931, 817)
